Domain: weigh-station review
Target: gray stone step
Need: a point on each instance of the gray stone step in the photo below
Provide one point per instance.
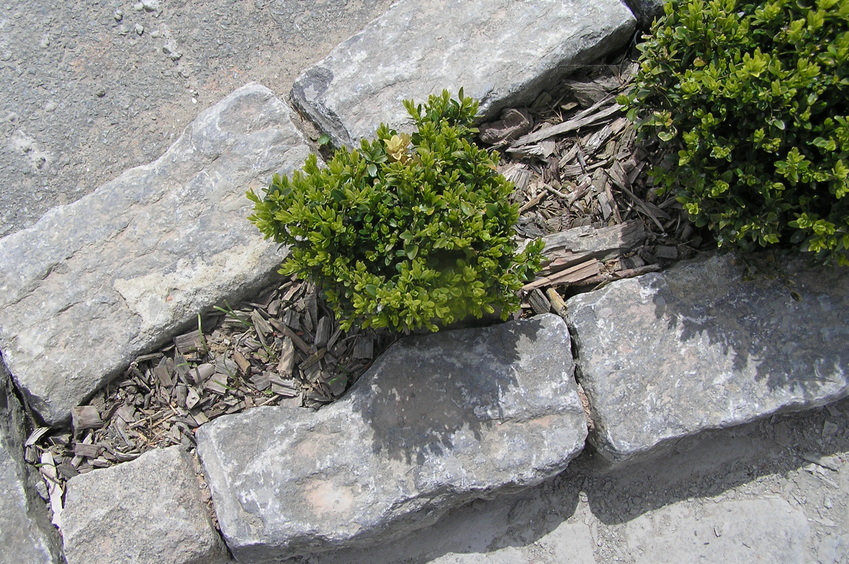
(26, 534)
(668, 355)
(438, 421)
(503, 53)
(97, 282)
(150, 510)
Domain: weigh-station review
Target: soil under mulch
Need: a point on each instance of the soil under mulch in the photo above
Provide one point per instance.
(575, 162)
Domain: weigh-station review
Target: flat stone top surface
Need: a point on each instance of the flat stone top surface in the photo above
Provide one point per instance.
(96, 282)
(149, 510)
(667, 355)
(501, 52)
(437, 421)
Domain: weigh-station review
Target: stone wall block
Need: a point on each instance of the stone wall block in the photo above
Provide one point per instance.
(99, 281)
(701, 346)
(503, 53)
(150, 510)
(438, 421)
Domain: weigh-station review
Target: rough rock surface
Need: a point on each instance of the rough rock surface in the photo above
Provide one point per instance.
(26, 535)
(665, 356)
(148, 510)
(439, 420)
(96, 282)
(501, 52)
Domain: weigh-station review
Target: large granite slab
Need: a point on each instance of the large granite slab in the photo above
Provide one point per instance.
(502, 52)
(438, 421)
(701, 346)
(97, 282)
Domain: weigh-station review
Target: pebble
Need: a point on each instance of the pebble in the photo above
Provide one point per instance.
(139, 29)
(118, 15)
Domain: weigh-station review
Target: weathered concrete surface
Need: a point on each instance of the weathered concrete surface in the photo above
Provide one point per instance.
(748, 530)
(665, 356)
(148, 510)
(438, 420)
(26, 535)
(96, 282)
(501, 52)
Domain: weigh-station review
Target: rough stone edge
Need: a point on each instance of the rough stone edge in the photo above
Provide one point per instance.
(317, 114)
(214, 471)
(37, 510)
(54, 216)
(683, 442)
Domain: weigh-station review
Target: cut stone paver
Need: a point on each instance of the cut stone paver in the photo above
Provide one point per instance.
(97, 282)
(26, 535)
(148, 510)
(438, 420)
(503, 53)
(668, 355)
(747, 530)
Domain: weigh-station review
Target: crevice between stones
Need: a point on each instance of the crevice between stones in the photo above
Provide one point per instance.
(20, 422)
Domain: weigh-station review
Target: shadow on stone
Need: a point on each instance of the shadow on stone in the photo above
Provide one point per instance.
(421, 414)
(785, 320)
(714, 462)
(497, 527)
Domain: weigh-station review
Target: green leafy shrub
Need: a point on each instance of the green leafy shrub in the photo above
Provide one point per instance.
(749, 101)
(407, 231)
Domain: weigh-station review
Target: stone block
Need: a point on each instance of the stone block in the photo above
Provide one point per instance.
(439, 420)
(148, 510)
(503, 53)
(26, 535)
(97, 282)
(669, 355)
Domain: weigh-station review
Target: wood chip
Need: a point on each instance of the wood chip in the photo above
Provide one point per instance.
(217, 385)
(201, 373)
(322, 331)
(87, 451)
(558, 306)
(260, 324)
(538, 301)
(200, 418)
(189, 344)
(261, 381)
(192, 397)
(567, 126)
(666, 252)
(242, 362)
(570, 275)
(287, 389)
(296, 339)
(163, 372)
(286, 364)
(364, 347)
(85, 417)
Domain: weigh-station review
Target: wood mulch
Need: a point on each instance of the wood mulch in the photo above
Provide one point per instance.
(580, 182)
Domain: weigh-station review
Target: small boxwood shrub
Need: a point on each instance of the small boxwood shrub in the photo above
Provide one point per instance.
(406, 232)
(749, 101)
